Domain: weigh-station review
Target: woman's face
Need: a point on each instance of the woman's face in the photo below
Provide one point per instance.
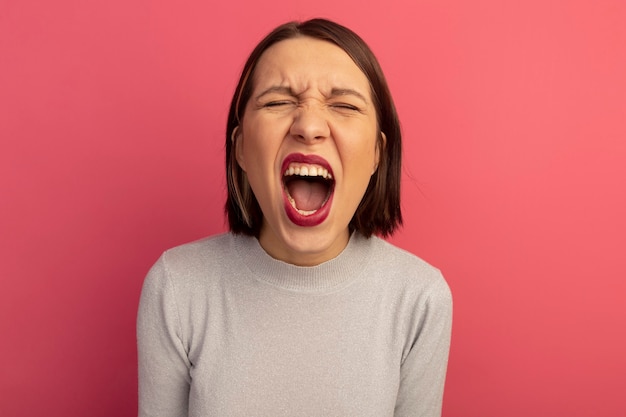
(308, 144)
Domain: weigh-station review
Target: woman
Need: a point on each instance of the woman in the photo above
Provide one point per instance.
(301, 310)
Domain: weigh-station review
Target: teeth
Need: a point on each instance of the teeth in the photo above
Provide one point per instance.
(303, 212)
(308, 171)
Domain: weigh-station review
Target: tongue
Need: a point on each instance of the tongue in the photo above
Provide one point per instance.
(308, 195)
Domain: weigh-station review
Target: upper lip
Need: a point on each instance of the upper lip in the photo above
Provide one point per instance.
(306, 159)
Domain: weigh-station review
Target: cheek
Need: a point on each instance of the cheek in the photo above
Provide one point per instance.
(263, 134)
(360, 155)
(259, 150)
(251, 147)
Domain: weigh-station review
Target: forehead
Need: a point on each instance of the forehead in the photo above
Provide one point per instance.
(303, 63)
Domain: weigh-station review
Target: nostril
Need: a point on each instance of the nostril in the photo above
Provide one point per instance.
(310, 126)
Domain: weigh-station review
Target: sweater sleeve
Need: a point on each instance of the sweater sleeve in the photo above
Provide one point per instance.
(423, 371)
(163, 362)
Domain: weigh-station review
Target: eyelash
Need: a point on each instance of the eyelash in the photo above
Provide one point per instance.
(277, 103)
(345, 106)
(342, 106)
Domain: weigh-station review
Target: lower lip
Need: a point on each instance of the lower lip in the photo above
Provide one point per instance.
(311, 220)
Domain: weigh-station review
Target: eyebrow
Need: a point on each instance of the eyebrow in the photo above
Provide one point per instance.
(347, 92)
(333, 93)
(277, 89)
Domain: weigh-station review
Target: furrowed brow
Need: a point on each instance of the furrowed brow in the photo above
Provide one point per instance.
(347, 92)
(277, 90)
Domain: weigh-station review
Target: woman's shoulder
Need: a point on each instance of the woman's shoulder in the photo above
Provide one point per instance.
(387, 253)
(208, 249)
(196, 262)
(399, 267)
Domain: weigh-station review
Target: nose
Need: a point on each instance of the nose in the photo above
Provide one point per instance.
(310, 124)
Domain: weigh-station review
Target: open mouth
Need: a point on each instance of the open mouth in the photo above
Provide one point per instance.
(308, 186)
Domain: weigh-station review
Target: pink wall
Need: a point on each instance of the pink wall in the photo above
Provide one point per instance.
(514, 113)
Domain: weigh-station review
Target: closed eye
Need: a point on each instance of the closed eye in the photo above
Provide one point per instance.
(345, 106)
(278, 103)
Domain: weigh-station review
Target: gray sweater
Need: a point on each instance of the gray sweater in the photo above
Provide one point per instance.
(225, 330)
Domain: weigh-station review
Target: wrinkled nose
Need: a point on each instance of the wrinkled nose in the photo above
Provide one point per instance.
(310, 124)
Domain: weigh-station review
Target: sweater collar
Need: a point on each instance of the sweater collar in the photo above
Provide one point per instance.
(328, 275)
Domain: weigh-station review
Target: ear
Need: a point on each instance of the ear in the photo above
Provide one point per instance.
(237, 142)
(380, 146)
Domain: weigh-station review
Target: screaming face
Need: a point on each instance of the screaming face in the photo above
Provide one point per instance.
(308, 144)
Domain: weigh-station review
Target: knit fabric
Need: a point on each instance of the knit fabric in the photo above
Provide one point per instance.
(225, 330)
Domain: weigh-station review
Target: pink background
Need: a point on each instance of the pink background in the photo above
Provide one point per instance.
(112, 118)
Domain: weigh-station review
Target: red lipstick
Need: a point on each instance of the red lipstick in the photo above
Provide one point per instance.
(318, 216)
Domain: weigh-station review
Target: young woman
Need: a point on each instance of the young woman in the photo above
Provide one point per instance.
(301, 310)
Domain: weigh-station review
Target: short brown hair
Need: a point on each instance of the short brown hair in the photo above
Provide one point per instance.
(379, 211)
